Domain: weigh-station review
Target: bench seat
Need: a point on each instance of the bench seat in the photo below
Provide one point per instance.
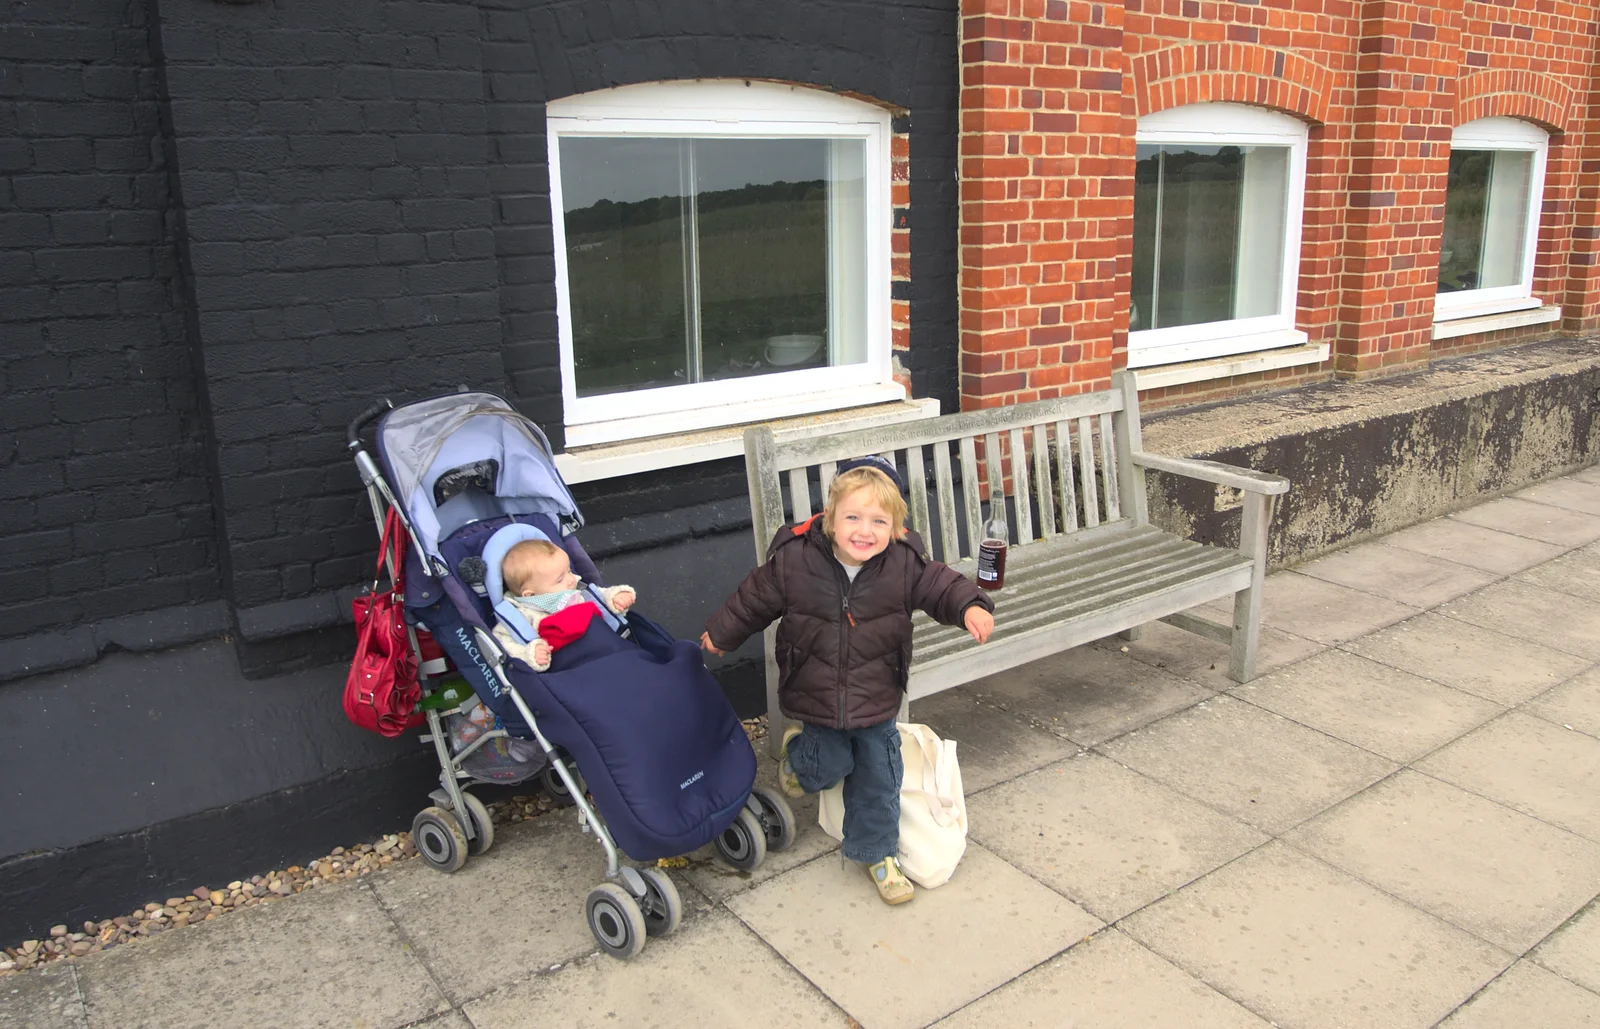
(1071, 590)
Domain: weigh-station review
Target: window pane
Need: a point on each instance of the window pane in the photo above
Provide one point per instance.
(626, 207)
(1486, 209)
(691, 260)
(1146, 190)
(1208, 233)
(763, 254)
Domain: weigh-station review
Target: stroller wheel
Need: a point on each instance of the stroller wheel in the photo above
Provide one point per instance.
(743, 844)
(661, 906)
(776, 817)
(439, 839)
(616, 921)
(551, 781)
(482, 824)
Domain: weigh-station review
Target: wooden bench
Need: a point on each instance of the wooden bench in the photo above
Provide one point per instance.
(1084, 563)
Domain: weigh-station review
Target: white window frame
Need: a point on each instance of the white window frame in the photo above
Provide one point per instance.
(730, 109)
(1219, 124)
(1502, 134)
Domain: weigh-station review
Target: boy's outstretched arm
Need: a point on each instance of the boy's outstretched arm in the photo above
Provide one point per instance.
(756, 604)
(953, 599)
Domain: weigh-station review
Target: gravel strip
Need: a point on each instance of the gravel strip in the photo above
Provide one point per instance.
(205, 903)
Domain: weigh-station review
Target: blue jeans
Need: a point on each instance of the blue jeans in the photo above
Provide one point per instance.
(868, 760)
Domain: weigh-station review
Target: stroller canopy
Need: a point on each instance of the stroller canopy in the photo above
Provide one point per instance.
(451, 451)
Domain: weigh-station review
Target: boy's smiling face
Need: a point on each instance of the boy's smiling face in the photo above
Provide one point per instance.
(861, 528)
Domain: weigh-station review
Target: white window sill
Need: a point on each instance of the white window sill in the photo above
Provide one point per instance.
(1227, 367)
(1470, 326)
(1163, 355)
(587, 464)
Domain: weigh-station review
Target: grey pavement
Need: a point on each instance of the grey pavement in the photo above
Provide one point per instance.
(1395, 825)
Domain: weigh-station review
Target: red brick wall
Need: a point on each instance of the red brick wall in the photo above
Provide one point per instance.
(1051, 95)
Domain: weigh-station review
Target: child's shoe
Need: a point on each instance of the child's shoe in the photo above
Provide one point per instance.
(893, 886)
(787, 780)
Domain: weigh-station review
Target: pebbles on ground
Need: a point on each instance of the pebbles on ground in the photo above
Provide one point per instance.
(204, 903)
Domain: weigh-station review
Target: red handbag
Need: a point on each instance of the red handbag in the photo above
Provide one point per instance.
(381, 691)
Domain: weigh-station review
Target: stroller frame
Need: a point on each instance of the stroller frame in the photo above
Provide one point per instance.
(633, 902)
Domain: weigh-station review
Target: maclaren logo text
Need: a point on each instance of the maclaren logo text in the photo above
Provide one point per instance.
(696, 777)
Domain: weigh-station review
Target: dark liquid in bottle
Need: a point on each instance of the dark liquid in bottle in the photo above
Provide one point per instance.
(992, 564)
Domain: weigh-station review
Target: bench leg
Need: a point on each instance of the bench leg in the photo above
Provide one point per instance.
(1247, 602)
(1131, 635)
(775, 719)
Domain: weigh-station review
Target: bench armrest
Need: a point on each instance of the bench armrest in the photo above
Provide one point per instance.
(1214, 471)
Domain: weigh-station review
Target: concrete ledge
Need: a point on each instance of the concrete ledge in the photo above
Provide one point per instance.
(151, 630)
(1371, 457)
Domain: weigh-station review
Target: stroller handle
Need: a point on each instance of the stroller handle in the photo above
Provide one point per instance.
(352, 434)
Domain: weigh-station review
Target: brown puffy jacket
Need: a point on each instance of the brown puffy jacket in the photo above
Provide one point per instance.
(844, 647)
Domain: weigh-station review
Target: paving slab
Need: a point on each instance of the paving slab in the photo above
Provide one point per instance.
(1541, 522)
(993, 745)
(1572, 494)
(1205, 661)
(1590, 475)
(1503, 876)
(1527, 763)
(713, 973)
(1309, 946)
(45, 998)
(448, 1020)
(1413, 579)
(1106, 837)
(1574, 704)
(947, 947)
(1576, 572)
(1484, 662)
(1573, 951)
(1527, 995)
(1325, 611)
(718, 881)
(1474, 545)
(1544, 616)
(1106, 982)
(329, 958)
(1259, 767)
(1378, 708)
(533, 883)
(1088, 694)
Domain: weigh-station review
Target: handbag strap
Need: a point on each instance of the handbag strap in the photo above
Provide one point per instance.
(392, 533)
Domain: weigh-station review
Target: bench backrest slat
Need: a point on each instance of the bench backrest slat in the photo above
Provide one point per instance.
(1043, 491)
(1091, 493)
(1054, 486)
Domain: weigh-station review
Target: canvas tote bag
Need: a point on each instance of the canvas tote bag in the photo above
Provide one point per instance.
(933, 809)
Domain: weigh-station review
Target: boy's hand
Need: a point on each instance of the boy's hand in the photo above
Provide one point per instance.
(623, 600)
(542, 653)
(980, 623)
(705, 641)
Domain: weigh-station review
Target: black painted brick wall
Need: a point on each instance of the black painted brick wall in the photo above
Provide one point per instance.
(335, 177)
(105, 508)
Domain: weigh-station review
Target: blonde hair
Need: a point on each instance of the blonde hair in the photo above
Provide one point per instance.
(880, 491)
(522, 560)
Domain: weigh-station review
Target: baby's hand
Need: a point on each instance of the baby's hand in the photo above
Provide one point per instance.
(980, 623)
(623, 600)
(705, 641)
(542, 653)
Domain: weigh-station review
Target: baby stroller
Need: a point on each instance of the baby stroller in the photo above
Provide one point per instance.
(663, 765)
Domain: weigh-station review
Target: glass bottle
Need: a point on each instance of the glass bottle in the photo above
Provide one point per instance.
(992, 550)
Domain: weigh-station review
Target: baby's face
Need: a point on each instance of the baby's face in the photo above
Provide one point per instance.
(552, 574)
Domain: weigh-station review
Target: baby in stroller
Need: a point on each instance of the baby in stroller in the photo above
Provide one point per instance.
(540, 584)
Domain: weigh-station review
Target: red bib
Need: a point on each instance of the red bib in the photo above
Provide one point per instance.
(567, 624)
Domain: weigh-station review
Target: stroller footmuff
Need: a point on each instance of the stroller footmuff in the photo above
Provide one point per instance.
(626, 724)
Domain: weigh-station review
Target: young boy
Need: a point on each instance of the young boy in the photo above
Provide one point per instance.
(845, 584)
(539, 579)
